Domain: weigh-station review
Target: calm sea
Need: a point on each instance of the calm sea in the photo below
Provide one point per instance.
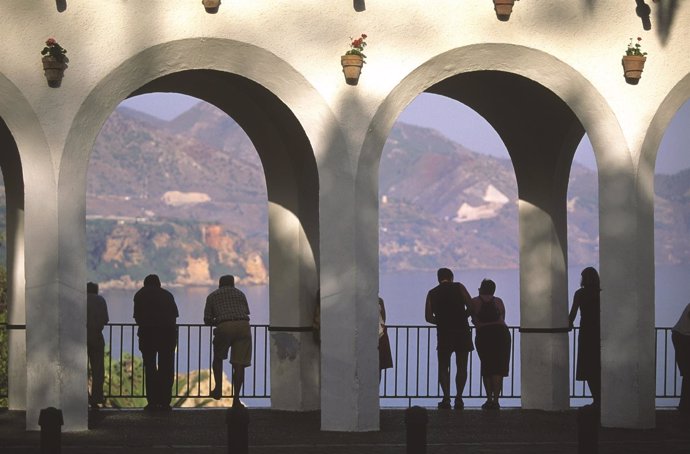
(404, 294)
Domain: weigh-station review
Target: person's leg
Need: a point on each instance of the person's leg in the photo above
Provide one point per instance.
(166, 375)
(151, 376)
(461, 359)
(217, 391)
(95, 354)
(496, 385)
(237, 382)
(684, 404)
(444, 376)
(488, 387)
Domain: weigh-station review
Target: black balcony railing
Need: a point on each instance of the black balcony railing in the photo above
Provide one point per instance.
(414, 375)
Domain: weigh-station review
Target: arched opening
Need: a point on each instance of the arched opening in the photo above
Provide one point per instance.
(447, 198)
(183, 197)
(290, 216)
(671, 247)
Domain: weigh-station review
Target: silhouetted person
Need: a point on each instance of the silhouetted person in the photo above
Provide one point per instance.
(385, 355)
(96, 319)
(586, 300)
(155, 312)
(680, 335)
(492, 341)
(447, 307)
(227, 309)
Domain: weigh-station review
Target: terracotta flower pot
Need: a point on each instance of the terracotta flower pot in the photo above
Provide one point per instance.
(503, 9)
(352, 68)
(632, 67)
(211, 5)
(54, 70)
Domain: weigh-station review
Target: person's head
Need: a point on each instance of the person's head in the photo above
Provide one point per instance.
(444, 274)
(487, 287)
(226, 281)
(590, 278)
(152, 280)
(92, 287)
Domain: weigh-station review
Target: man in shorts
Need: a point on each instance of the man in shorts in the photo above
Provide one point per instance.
(447, 307)
(227, 310)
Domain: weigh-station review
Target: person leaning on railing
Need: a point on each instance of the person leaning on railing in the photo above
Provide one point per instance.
(680, 335)
(227, 309)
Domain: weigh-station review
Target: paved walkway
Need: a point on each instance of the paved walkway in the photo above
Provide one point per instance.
(273, 432)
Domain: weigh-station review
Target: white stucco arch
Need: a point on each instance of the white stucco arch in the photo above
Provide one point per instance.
(544, 307)
(292, 180)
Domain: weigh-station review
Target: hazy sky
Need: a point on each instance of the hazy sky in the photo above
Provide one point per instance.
(461, 124)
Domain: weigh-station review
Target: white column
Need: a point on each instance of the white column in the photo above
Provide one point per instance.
(56, 304)
(627, 299)
(349, 310)
(544, 359)
(293, 299)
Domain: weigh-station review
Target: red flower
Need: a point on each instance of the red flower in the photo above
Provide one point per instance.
(51, 42)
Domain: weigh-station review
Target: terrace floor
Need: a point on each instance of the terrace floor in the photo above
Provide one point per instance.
(272, 432)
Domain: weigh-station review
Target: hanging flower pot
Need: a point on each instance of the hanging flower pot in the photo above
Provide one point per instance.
(54, 70)
(632, 67)
(211, 5)
(54, 62)
(633, 62)
(353, 60)
(352, 68)
(503, 9)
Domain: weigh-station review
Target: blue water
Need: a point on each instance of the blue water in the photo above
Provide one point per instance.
(405, 293)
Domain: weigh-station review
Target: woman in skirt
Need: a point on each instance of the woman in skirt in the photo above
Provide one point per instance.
(492, 341)
(586, 300)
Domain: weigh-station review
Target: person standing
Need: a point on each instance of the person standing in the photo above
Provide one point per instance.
(680, 336)
(155, 312)
(586, 300)
(385, 355)
(447, 307)
(227, 309)
(96, 319)
(492, 341)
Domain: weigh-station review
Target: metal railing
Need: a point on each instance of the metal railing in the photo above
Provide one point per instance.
(413, 376)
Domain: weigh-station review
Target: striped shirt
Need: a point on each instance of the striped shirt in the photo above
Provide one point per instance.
(224, 304)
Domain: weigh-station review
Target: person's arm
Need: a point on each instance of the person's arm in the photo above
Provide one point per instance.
(573, 310)
(105, 312)
(429, 311)
(208, 313)
(501, 310)
(467, 300)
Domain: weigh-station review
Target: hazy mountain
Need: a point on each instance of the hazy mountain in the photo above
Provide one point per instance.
(187, 198)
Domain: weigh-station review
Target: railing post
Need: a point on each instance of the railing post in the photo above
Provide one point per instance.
(237, 420)
(50, 420)
(416, 419)
(588, 430)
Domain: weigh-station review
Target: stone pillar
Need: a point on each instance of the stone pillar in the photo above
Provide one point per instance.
(627, 298)
(349, 309)
(293, 299)
(544, 358)
(16, 315)
(56, 302)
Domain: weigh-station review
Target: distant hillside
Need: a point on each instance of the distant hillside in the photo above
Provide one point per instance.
(187, 198)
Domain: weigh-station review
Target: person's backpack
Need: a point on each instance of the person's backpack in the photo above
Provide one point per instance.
(488, 311)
